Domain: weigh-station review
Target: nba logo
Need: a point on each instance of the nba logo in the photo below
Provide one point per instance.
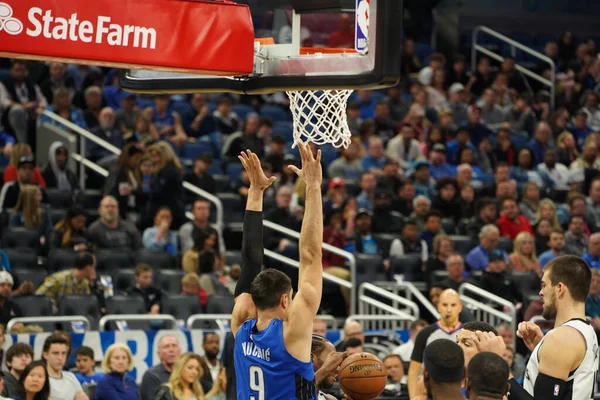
(361, 43)
(556, 390)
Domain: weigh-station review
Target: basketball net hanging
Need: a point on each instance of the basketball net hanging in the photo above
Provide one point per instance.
(320, 116)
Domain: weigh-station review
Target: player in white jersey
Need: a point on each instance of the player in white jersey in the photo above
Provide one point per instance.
(564, 363)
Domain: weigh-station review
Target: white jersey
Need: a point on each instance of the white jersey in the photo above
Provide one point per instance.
(581, 383)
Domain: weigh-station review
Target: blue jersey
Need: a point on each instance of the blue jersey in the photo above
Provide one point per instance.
(265, 370)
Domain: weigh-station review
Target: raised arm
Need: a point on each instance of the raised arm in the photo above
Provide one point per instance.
(252, 242)
(298, 335)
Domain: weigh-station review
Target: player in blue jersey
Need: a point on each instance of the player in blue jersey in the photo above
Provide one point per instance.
(273, 333)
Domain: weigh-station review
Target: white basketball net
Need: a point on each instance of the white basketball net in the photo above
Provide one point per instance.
(320, 116)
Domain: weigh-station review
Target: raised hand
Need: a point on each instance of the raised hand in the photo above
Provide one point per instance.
(530, 333)
(252, 165)
(488, 341)
(311, 171)
(333, 361)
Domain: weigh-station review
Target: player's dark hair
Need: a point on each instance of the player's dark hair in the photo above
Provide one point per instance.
(84, 351)
(488, 374)
(444, 361)
(352, 342)
(206, 335)
(474, 326)
(16, 350)
(317, 345)
(55, 338)
(572, 271)
(268, 287)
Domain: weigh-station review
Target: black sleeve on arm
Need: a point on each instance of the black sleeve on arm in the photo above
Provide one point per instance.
(252, 251)
(548, 387)
(517, 392)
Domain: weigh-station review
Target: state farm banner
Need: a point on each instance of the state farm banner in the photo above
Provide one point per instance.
(177, 35)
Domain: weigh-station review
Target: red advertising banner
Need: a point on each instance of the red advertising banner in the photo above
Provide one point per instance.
(210, 37)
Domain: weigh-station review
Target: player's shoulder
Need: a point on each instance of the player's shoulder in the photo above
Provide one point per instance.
(565, 337)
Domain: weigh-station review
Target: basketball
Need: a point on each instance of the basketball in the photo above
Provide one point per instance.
(362, 376)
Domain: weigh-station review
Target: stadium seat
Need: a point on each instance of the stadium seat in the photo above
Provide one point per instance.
(154, 259)
(242, 110)
(449, 226)
(234, 170)
(505, 244)
(527, 282)
(408, 265)
(20, 259)
(90, 199)
(222, 183)
(219, 304)
(56, 215)
(275, 113)
(59, 198)
(182, 108)
(80, 305)
(463, 244)
(197, 149)
(369, 268)
(128, 305)
(232, 206)
(169, 281)
(59, 259)
(285, 129)
(123, 280)
(20, 237)
(35, 275)
(233, 257)
(385, 239)
(438, 276)
(108, 261)
(181, 306)
(34, 306)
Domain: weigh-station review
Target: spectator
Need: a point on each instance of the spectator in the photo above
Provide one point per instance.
(160, 238)
(276, 156)
(406, 194)
(189, 230)
(524, 171)
(577, 206)
(111, 232)
(464, 176)
(409, 243)
(520, 115)
(524, 258)
(540, 142)
(421, 206)
(21, 99)
(203, 239)
(458, 72)
(579, 127)
(63, 384)
(567, 148)
(57, 79)
(455, 267)
(34, 383)
(438, 165)
(455, 146)
(210, 363)
(424, 185)
(557, 173)
(530, 204)
(252, 136)
(375, 160)
(319, 327)
(348, 165)
(481, 79)
(504, 151)
(61, 106)
(368, 184)
(166, 188)
(57, 173)
(11, 191)
(116, 384)
(226, 120)
(409, 60)
(183, 382)
(18, 357)
(592, 257)
(494, 279)
(556, 244)
(457, 104)
(355, 122)
(397, 103)
(542, 235)
(126, 184)
(167, 122)
(486, 214)
(91, 106)
(588, 158)
(467, 201)
(511, 223)
(405, 350)
(8, 308)
(190, 286)
(109, 132)
(404, 148)
(336, 195)
(477, 258)
(363, 241)
(385, 127)
(143, 287)
(575, 237)
(395, 375)
(491, 113)
(590, 107)
(85, 362)
(593, 204)
(547, 210)
(477, 130)
(168, 352)
(447, 200)
(28, 212)
(436, 136)
(367, 103)
(19, 151)
(436, 92)
(433, 226)
(126, 116)
(199, 121)
(384, 219)
(443, 247)
(74, 281)
(592, 303)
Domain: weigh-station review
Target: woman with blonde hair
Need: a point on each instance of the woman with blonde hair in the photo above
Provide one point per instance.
(523, 257)
(547, 210)
(530, 203)
(19, 151)
(567, 148)
(184, 381)
(28, 211)
(166, 188)
(116, 384)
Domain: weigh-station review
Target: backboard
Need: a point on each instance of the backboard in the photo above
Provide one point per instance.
(319, 44)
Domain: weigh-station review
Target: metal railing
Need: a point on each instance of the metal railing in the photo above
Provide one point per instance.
(326, 247)
(399, 320)
(409, 290)
(218, 319)
(48, 320)
(136, 317)
(514, 45)
(367, 305)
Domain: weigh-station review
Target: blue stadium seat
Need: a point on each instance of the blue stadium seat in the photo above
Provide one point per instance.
(182, 107)
(423, 51)
(274, 113)
(242, 110)
(211, 107)
(285, 129)
(234, 170)
(195, 150)
(216, 168)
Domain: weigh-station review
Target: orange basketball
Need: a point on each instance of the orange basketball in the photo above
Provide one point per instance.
(362, 376)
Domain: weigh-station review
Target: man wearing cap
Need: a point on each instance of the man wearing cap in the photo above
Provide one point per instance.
(363, 241)
(126, 116)
(495, 281)
(438, 167)
(423, 183)
(10, 191)
(383, 219)
(375, 160)
(8, 309)
(457, 103)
